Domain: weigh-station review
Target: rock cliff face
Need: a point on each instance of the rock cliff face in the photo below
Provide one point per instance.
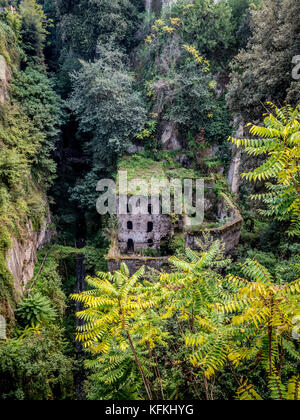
(22, 256)
(229, 233)
(234, 171)
(157, 5)
(170, 137)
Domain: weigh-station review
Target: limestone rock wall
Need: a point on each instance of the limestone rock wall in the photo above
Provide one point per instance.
(5, 74)
(22, 256)
(170, 137)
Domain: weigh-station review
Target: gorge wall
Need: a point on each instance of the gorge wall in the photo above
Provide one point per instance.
(22, 256)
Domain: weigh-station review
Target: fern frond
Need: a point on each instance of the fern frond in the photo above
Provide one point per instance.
(246, 392)
(294, 388)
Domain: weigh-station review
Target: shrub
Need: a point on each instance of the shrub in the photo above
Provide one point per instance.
(36, 309)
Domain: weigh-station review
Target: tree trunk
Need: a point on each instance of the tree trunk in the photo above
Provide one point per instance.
(148, 390)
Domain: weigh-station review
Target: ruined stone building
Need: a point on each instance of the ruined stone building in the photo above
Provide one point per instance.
(143, 231)
(145, 239)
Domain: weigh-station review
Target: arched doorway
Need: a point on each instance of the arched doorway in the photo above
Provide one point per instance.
(130, 246)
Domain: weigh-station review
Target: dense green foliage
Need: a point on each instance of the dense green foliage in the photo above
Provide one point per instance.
(34, 367)
(179, 81)
(35, 310)
(36, 362)
(83, 84)
(263, 71)
(38, 100)
(220, 321)
(30, 120)
(33, 30)
(110, 114)
(208, 26)
(279, 141)
(81, 25)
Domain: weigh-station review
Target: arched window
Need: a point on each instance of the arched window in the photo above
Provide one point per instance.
(150, 243)
(130, 245)
(129, 225)
(149, 227)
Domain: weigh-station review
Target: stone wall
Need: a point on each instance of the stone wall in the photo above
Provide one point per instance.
(134, 228)
(229, 233)
(145, 231)
(134, 263)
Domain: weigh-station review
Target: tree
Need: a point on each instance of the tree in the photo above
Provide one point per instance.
(208, 26)
(35, 366)
(33, 30)
(110, 113)
(279, 140)
(36, 310)
(193, 107)
(269, 309)
(263, 71)
(35, 93)
(114, 312)
(81, 25)
(234, 320)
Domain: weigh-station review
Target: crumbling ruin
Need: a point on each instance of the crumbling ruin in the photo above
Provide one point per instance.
(144, 239)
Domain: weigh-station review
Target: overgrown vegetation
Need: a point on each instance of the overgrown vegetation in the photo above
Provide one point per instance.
(35, 361)
(110, 115)
(211, 321)
(92, 86)
(30, 120)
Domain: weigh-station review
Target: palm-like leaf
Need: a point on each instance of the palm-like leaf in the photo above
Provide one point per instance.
(279, 141)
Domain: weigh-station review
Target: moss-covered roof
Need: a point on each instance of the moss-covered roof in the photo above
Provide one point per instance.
(140, 166)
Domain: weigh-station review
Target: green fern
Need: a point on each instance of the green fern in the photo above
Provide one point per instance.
(234, 319)
(280, 142)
